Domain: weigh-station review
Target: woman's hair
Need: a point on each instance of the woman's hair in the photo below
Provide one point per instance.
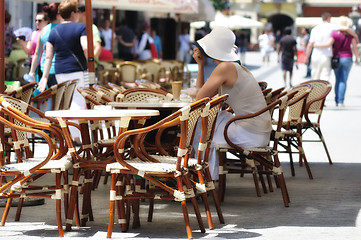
(66, 7)
(344, 21)
(7, 17)
(51, 11)
(45, 16)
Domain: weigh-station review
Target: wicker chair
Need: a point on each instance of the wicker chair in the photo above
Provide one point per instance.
(92, 99)
(129, 72)
(150, 70)
(273, 95)
(54, 93)
(199, 165)
(154, 171)
(291, 139)
(111, 94)
(27, 169)
(68, 94)
(314, 106)
(263, 85)
(256, 160)
(116, 88)
(143, 94)
(266, 91)
(24, 93)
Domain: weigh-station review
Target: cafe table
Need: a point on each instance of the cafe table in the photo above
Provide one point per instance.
(86, 161)
(149, 105)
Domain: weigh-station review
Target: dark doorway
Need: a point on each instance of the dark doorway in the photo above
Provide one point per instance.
(166, 29)
(280, 21)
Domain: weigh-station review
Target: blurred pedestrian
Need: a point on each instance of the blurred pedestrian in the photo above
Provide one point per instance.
(287, 51)
(304, 41)
(342, 42)
(321, 57)
(146, 48)
(184, 46)
(126, 42)
(9, 34)
(105, 54)
(242, 43)
(107, 34)
(157, 43)
(51, 12)
(96, 34)
(69, 41)
(266, 44)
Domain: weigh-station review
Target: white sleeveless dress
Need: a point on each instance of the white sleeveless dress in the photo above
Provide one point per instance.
(245, 97)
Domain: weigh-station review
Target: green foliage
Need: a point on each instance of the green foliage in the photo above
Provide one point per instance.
(218, 4)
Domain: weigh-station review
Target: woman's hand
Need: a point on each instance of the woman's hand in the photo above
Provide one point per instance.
(197, 55)
(42, 84)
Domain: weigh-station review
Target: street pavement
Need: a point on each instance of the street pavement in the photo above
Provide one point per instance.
(325, 208)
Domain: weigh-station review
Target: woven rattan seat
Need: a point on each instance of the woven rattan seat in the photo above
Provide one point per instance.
(144, 166)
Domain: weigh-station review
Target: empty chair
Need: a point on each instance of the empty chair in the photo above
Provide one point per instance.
(24, 93)
(150, 70)
(107, 91)
(18, 179)
(129, 72)
(291, 139)
(314, 107)
(155, 172)
(116, 88)
(143, 94)
(68, 94)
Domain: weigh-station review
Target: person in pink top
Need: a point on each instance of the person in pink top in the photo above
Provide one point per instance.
(41, 20)
(344, 45)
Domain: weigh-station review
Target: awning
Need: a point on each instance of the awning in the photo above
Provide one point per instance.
(312, 21)
(206, 13)
(167, 6)
(234, 22)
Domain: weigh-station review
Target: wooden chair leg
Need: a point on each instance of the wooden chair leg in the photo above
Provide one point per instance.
(282, 183)
(210, 187)
(58, 204)
(261, 178)
(112, 205)
(19, 208)
(6, 211)
(150, 210)
(66, 191)
(318, 131)
(195, 204)
(73, 201)
(122, 220)
(289, 150)
(205, 199)
(221, 176)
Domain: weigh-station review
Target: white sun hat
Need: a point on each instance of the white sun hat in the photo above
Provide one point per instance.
(219, 45)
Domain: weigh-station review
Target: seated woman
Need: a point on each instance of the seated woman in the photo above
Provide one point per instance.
(245, 96)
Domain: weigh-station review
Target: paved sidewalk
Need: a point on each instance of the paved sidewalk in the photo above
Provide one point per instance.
(325, 208)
